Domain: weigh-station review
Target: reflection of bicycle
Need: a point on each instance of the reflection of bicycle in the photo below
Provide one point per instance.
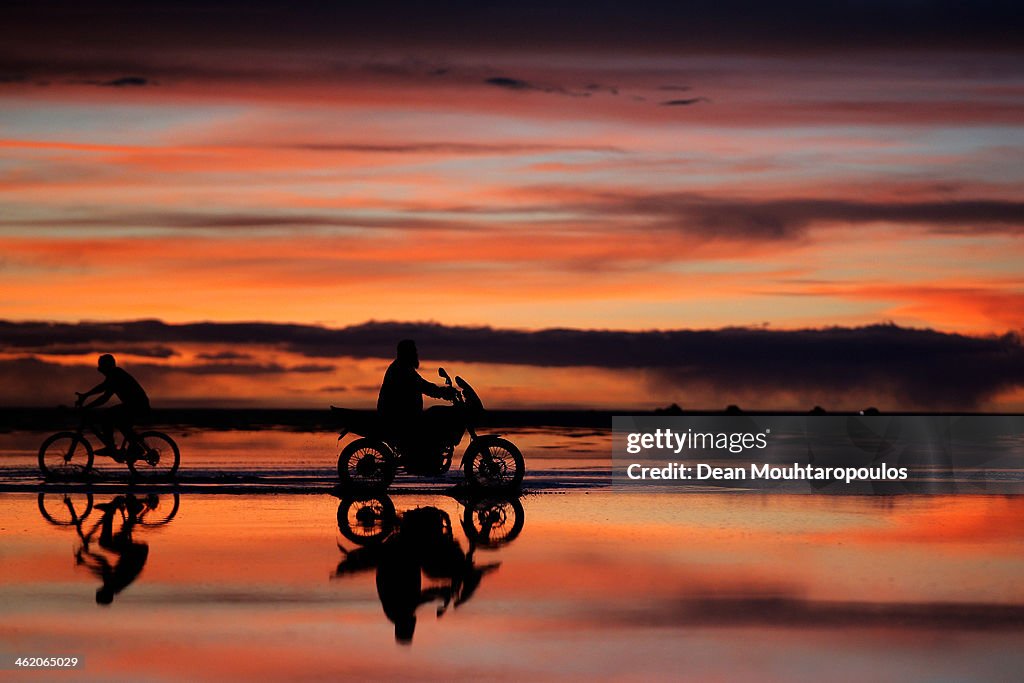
(71, 509)
(108, 548)
(69, 454)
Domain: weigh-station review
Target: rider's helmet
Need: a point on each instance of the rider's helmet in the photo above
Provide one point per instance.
(407, 354)
(107, 363)
(104, 595)
(405, 627)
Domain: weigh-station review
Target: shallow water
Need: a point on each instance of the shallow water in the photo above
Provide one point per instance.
(595, 585)
(557, 459)
(302, 461)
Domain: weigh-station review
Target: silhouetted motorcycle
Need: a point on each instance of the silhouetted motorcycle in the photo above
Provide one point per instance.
(371, 462)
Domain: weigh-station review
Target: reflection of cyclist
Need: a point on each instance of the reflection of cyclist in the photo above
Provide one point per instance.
(131, 555)
(400, 402)
(134, 404)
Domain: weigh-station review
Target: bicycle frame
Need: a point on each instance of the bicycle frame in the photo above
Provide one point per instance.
(87, 423)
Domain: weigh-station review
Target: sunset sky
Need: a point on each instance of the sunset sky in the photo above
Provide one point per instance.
(516, 166)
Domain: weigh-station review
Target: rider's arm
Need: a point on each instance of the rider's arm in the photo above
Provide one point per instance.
(433, 390)
(95, 390)
(101, 387)
(97, 564)
(100, 401)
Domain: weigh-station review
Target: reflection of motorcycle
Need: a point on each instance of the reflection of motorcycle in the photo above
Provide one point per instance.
(372, 461)
(403, 547)
(487, 522)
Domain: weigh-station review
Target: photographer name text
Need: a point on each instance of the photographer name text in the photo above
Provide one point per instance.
(795, 471)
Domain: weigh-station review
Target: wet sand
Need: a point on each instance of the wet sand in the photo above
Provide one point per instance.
(599, 584)
(593, 583)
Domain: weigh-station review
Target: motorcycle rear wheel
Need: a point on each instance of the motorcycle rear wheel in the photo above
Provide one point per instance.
(366, 520)
(367, 464)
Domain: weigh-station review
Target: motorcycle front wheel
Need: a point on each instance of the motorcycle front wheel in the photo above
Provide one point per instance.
(493, 522)
(494, 463)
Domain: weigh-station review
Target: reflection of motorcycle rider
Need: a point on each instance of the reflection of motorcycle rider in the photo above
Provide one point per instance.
(130, 555)
(401, 548)
(399, 578)
(422, 543)
(400, 402)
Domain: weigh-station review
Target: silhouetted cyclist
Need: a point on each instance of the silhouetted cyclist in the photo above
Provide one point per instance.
(134, 405)
(400, 402)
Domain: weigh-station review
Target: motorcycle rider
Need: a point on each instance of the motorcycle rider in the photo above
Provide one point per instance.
(400, 402)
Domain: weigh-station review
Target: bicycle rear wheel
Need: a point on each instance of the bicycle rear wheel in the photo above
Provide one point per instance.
(65, 455)
(158, 510)
(159, 458)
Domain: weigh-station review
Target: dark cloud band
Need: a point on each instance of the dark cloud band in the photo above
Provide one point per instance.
(912, 367)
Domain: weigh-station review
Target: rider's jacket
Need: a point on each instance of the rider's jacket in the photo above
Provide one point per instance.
(126, 388)
(401, 394)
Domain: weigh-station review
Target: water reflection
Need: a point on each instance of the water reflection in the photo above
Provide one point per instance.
(109, 547)
(405, 547)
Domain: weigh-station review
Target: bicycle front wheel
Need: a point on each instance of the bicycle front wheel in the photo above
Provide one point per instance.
(64, 509)
(159, 457)
(65, 455)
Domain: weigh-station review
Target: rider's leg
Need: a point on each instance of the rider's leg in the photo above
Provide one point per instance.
(133, 506)
(107, 530)
(105, 421)
(441, 427)
(125, 422)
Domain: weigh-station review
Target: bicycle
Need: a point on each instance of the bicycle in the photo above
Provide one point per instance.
(150, 454)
